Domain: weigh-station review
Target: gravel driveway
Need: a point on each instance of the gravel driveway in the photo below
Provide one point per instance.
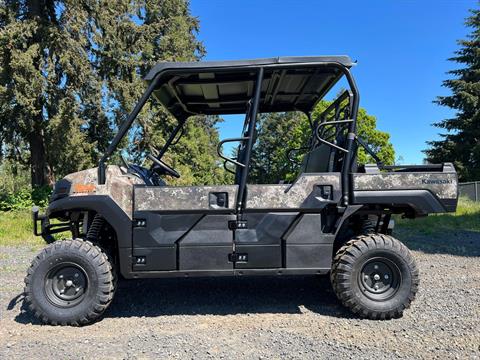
(256, 318)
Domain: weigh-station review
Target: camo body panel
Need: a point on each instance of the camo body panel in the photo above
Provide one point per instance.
(175, 198)
(443, 185)
(118, 185)
(303, 193)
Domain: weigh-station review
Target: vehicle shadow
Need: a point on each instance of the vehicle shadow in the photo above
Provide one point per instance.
(220, 296)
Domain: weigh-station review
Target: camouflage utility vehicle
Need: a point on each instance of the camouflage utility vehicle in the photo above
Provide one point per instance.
(335, 217)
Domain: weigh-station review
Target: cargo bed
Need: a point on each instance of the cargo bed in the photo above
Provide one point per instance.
(424, 188)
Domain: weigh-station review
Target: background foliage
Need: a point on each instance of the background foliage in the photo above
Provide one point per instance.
(461, 142)
(70, 72)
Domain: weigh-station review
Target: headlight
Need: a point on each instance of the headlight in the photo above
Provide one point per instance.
(61, 189)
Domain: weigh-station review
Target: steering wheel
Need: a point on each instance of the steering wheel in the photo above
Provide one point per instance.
(160, 164)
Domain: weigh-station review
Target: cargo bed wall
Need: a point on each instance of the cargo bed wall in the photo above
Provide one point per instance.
(425, 192)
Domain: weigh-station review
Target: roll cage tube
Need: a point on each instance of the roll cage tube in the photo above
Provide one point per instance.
(173, 136)
(228, 159)
(250, 134)
(320, 127)
(240, 140)
(350, 155)
(173, 139)
(124, 129)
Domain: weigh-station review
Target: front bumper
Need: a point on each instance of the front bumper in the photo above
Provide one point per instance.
(36, 217)
(46, 229)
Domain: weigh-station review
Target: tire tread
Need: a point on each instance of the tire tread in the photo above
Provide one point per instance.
(107, 281)
(343, 263)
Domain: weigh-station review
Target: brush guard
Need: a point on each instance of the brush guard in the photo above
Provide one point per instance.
(46, 229)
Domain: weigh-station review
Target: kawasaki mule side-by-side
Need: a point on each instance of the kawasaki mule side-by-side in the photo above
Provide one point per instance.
(334, 217)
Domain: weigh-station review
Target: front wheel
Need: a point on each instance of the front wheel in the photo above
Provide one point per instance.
(375, 276)
(70, 282)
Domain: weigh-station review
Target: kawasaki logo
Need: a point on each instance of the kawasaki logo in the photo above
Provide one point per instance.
(436, 181)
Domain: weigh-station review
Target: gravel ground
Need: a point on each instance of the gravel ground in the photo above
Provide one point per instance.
(256, 318)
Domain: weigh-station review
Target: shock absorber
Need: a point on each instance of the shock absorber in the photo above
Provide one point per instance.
(95, 228)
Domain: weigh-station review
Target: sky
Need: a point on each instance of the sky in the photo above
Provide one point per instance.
(401, 47)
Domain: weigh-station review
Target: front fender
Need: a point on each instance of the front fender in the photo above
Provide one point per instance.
(101, 204)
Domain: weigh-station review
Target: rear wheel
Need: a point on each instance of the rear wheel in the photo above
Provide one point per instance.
(70, 282)
(375, 276)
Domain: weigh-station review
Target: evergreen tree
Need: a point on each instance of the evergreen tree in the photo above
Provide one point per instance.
(461, 143)
(44, 67)
(71, 71)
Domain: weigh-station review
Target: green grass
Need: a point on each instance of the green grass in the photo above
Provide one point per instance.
(467, 218)
(16, 229)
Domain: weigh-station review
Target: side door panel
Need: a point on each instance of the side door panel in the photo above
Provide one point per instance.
(308, 192)
(262, 240)
(278, 232)
(306, 245)
(156, 241)
(183, 228)
(185, 199)
(207, 245)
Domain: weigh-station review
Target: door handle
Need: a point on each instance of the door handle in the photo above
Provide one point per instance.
(218, 200)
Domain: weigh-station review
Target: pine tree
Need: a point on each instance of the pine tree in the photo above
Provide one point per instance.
(71, 71)
(46, 107)
(461, 143)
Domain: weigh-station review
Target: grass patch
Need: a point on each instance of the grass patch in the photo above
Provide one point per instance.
(467, 218)
(454, 234)
(16, 228)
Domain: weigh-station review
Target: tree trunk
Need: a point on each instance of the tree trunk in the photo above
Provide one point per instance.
(38, 157)
(38, 163)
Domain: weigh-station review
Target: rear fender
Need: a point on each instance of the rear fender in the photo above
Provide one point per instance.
(422, 202)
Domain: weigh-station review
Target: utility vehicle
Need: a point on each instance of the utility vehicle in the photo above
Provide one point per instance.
(335, 217)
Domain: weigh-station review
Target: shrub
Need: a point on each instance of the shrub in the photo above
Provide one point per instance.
(24, 198)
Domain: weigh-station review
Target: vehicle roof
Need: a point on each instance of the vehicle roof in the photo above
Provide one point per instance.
(225, 87)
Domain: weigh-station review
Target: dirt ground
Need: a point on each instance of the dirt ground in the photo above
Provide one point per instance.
(259, 317)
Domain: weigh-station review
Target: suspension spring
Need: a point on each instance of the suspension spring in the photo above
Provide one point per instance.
(95, 227)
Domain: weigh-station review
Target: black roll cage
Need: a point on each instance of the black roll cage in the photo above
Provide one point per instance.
(349, 148)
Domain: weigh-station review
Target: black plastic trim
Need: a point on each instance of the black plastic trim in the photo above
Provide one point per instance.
(450, 204)
(237, 272)
(102, 204)
(206, 65)
(421, 201)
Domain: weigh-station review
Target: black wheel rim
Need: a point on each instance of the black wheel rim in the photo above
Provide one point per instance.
(380, 278)
(66, 285)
